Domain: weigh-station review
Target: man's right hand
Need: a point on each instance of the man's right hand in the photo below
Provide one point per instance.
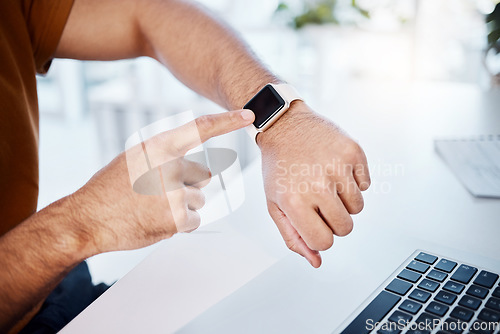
(118, 215)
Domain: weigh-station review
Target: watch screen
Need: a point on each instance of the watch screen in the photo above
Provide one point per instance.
(265, 105)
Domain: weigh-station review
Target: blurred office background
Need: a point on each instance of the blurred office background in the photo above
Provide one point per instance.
(326, 48)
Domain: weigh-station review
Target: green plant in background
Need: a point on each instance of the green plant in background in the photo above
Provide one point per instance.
(318, 12)
(493, 21)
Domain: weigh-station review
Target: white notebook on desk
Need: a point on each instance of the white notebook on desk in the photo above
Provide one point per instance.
(475, 161)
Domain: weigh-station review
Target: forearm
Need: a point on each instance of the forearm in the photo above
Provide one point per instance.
(35, 257)
(202, 52)
(209, 57)
(199, 49)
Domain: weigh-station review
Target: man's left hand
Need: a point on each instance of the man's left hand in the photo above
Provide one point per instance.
(313, 177)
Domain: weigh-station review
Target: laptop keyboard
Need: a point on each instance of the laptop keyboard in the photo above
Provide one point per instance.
(432, 294)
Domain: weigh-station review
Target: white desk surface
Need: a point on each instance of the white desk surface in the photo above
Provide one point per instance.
(424, 207)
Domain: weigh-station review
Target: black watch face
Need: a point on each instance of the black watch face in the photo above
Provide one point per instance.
(265, 105)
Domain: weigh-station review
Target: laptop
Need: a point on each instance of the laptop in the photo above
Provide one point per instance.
(426, 293)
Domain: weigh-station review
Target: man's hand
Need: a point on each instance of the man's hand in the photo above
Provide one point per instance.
(108, 214)
(313, 175)
(134, 202)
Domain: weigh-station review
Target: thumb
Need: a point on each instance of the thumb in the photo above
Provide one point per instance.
(205, 127)
(291, 237)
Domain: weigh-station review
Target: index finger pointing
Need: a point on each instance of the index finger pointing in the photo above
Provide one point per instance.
(205, 127)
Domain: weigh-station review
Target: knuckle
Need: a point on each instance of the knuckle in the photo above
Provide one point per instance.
(330, 169)
(364, 185)
(234, 117)
(292, 245)
(345, 227)
(323, 242)
(174, 148)
(353, 151)
(357, 205)
(292, 201)
(205, 122)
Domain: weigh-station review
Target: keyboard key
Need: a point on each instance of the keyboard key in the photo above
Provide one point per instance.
(398, 286)
(409, 275)
(446, 265)
(400, 318)
(485, 278)
(418, 266)
(428, 285)
(481, 327)
(454, 287)
(496, 293)
(437, 275)
(489, 315)
(493, 303)
(470, 302)
(464, 274)
(462, 314)
(454, 326)
(426, 321)
(410, 306)
(375, 311)
(477, 291)
(446, 297)
(427, 258)
(437, 309)
(420, 295)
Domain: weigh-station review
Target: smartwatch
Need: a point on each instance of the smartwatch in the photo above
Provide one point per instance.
(268, 105)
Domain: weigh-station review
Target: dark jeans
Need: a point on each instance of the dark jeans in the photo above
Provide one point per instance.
(68, 299)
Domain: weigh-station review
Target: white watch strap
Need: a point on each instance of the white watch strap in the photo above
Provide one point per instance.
(288, 93)
(252, 132)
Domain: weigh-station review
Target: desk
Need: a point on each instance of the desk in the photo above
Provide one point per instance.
(415, 202)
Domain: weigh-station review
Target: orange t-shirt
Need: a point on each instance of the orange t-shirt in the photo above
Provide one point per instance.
(29, 33)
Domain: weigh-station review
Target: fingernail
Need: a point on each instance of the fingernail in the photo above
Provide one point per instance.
(247, 114)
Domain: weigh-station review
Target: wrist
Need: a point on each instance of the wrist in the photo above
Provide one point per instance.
(77, 231)
(288, 123)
